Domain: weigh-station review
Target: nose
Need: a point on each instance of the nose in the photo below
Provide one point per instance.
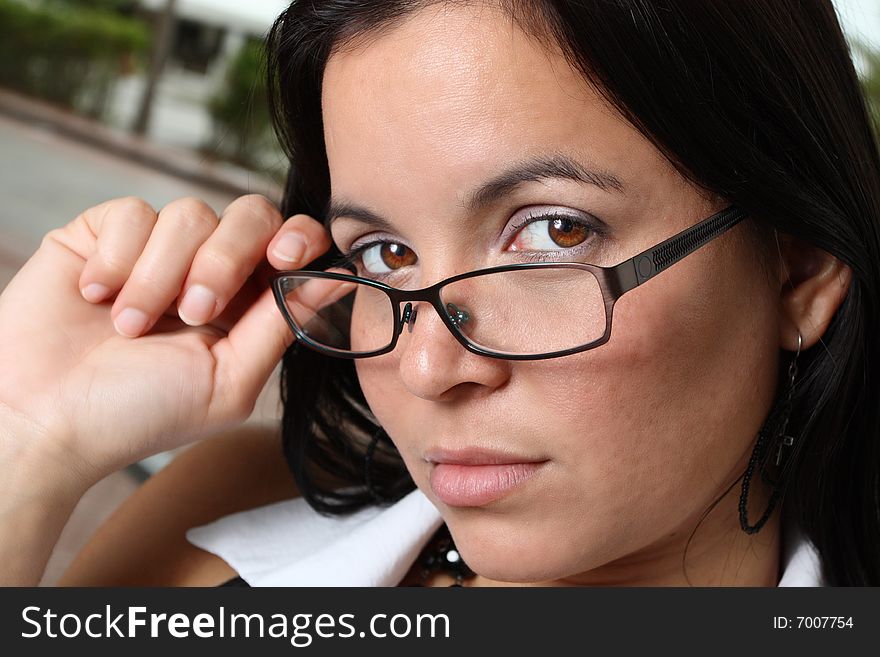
(459, 315)
(433, 364)
(408, 316)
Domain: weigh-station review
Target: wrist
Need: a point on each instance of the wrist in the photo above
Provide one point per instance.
(40, 484)
(35, 465)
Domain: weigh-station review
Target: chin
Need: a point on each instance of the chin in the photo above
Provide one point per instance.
(514, 572)
(522, 558)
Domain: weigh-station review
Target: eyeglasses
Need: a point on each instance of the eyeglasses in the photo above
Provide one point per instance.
(525, 311)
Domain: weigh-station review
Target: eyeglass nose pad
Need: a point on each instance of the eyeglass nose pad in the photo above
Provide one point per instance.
(458, 315)
(408, 317)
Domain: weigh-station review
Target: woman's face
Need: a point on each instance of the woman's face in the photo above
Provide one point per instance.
(640, 435)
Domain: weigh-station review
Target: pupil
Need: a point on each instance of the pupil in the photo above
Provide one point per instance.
(563, 224)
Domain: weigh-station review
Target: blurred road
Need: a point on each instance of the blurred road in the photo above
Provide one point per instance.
(46, 180)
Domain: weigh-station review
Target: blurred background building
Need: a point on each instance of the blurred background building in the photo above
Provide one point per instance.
(162, 99)
(213, 55)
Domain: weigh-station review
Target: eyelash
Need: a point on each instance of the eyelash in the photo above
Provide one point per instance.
(349, 258)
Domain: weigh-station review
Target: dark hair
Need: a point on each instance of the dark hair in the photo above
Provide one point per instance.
(755, 102)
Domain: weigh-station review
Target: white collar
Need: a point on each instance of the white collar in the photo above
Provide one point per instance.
(288, 543)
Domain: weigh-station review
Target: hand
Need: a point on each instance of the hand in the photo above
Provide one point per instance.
(107, 400)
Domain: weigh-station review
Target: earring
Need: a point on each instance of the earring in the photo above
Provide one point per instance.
(766, 438)
(368, 463)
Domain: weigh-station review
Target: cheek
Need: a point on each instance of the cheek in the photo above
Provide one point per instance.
(394, 407)
(657, 422)
(387, 399)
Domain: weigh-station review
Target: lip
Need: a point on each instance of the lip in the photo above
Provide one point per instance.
(476, 477)
(476, 456)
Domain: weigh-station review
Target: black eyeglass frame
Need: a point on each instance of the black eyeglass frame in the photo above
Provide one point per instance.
(614, 282)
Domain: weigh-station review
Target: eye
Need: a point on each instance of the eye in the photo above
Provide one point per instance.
(376, 258)
(539, 232)
(388, 255)
(551, 231)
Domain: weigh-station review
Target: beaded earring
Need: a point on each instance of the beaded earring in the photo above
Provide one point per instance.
(767, 438)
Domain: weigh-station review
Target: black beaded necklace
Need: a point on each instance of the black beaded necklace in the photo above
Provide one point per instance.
(440, 554)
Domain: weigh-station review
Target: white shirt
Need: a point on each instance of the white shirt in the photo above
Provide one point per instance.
(288, 543)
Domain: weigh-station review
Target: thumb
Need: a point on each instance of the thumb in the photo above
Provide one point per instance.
(250, 352)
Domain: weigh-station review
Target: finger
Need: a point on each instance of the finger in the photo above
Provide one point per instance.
(244, 366)
(308, 297)
(228, 257)
(300, 240)
(157, 277)
(258, 340)
(246, 297)
(122, 228)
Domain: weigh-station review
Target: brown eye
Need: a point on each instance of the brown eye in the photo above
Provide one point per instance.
(554, 233)
(394, 255)
(567, 233)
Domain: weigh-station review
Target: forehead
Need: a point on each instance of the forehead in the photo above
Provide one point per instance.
(452, 94)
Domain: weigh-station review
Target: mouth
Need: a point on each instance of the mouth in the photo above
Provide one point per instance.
(476, 477)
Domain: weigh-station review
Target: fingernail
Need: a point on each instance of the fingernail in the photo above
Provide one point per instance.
(197, 306)
(95, 292)
(290, 247)
(131, 322)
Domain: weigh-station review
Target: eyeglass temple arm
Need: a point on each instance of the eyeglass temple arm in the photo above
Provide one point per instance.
(650, 262)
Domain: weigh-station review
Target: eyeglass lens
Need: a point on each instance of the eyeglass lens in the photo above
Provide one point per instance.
(517, 312)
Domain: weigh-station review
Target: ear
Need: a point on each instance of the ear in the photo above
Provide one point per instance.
(813, 285)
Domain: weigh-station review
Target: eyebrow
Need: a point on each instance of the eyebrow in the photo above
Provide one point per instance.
(533, 170)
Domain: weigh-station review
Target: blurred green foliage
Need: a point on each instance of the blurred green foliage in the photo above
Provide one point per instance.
(68, 51)
(113, 5)
(240, 114)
